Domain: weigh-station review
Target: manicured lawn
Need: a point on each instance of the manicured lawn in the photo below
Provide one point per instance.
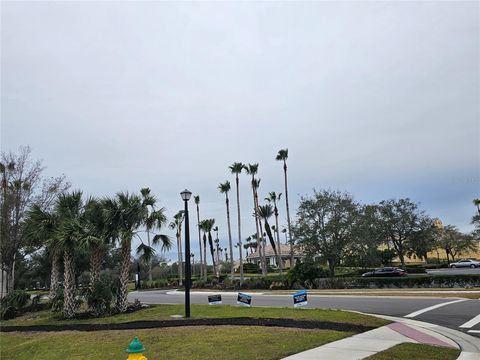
(164, 312)
(410, 351)
(232, 342)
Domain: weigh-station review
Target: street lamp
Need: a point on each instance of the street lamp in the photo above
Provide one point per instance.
(188, 274)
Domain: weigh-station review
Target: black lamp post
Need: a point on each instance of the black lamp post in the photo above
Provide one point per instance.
(188, 273)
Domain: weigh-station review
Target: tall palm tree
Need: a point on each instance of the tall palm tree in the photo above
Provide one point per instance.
(125, 213)
(283, 156)
(252, 170)
(224, 189)
(176, 225)
(265, 212)
(207, 227)
(40, 227)
(69, 208)
(197, 202)
(237, 168)
(273, 198)
(202, 227)
(154, 219)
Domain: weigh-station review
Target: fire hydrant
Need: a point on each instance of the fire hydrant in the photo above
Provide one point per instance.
(135, 350)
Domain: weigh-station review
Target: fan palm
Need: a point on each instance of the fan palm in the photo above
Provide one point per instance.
(124, 214)
(283, 156)
(273, 198)
(40, 227)
(237, 168)
(197, 202)
(224, 189)
(154, 219)
(265, 212)
(207, 226)
(95, 236)
(176, 225)
(68, 234)
(252, 170)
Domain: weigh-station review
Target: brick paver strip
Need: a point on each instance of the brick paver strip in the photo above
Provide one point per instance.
(418, 336)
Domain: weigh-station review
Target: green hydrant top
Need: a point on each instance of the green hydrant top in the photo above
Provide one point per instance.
(135, 347)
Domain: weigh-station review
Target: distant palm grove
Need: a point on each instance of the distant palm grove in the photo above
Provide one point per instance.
(74, 244)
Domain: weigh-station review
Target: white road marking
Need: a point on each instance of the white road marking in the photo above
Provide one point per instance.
(471, 322)
(474, 331)
(430, 308)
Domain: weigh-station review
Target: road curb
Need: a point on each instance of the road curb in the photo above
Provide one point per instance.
(469, 345)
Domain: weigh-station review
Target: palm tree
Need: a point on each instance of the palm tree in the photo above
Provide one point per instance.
(176, 225)
(125, 213)
(154, 219)
(202, 227)
(224, 189)
(237, 168)
(273, 198)
(69, 208)
(40, 227)
(283, 156)
(207, 227)
(95, 236)
(252, 170)
(476, 202)
(265, 212)
(197, 202)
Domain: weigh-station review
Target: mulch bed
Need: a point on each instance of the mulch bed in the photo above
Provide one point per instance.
(154, 324)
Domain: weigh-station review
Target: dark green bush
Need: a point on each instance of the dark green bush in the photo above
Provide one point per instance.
(100, 296)
(251, 268)
(305, 273)
(13, 303)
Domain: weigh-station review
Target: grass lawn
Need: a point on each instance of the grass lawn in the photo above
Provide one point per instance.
(232, 342)
(164, 312)
(410, 351)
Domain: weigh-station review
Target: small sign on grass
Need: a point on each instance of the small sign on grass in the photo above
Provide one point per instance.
(244, 299)
(214, 299)
(300, 298)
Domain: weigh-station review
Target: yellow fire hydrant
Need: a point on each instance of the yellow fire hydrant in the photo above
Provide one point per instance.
(135, 350)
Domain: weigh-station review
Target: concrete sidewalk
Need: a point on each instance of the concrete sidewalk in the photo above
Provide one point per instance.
(368, 343)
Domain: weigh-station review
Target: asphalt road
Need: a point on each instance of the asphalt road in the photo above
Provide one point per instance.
(456, 271)
(448, 312)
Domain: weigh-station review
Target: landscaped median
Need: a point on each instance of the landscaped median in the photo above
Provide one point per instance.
(242, 333)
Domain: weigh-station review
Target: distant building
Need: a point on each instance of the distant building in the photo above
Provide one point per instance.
(272, 260)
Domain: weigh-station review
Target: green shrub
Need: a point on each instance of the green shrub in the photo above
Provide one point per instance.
(100, 296)
(12, 304)
(251, 268)
(305, 273)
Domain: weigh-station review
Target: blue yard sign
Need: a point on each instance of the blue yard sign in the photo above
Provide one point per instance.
(214, 299)
(300, 298)
(244, 299)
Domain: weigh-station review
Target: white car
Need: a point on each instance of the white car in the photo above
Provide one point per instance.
(465, 263)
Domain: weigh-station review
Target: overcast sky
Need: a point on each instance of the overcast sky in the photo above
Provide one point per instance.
(379, 98)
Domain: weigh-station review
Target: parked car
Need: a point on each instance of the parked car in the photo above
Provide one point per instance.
(384, 272)
(465, 263)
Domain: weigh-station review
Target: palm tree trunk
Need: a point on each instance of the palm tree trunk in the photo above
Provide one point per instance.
(205, 274)
(69, 303)
(263, 253)
(292, 256)
(239, 233)
(96, 257)
(55, 274)
(122, 303)
(230, 236)
(277, 231)
(200, 242)
(149, 260)
(180, 260)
